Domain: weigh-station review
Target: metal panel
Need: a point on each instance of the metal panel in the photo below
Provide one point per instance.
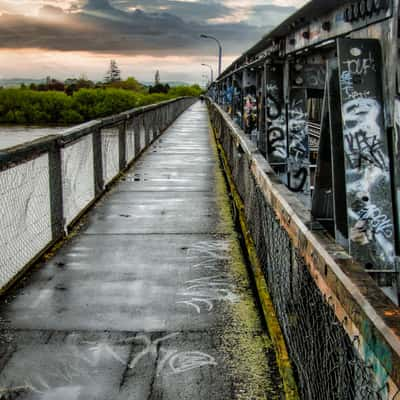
(276, 116)
(110, 150)
(337, 154)
(25, 215)
(311, 76)
(368, 186)
(77, 177)
(298, 157)
(322, 204)
(396, 161)
(130, 140)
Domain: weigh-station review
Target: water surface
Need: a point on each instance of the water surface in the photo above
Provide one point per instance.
(14, 135)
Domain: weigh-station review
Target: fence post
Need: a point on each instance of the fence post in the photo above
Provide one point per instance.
(56, 191)
(122, 145)
(136, 132)
(97, 162)
(146, 124)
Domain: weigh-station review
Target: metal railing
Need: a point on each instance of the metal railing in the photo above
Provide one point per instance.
(341, 331)
(46, 184)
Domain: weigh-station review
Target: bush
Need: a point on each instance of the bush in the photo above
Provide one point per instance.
(25, 106)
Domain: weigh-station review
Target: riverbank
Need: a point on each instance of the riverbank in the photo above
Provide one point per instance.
(30, 107)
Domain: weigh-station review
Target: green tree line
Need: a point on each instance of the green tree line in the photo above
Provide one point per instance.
(25, 106)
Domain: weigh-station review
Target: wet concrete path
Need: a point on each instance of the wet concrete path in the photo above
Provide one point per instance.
(151, 299)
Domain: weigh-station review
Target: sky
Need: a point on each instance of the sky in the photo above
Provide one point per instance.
(71, 38)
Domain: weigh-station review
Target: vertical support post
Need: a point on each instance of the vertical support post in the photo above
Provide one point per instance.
(396, 164)
(146, 124)
(262, 144)
(56, 191)
(136, 132)
(367, 169)
(322, 207)
(159, 121)
(97, 162)
(122, 145)
(276, 118)
(298, 147)
(249, 106)
(337, 155)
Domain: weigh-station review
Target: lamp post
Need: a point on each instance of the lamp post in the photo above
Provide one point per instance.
(207, 79)
(219, 50)
(211, 69)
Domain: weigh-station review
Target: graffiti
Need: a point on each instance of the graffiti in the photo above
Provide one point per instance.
(276, 120)
(207, 254)
(203, 293)
(314, 76)
(366, 155)
(298, 145)
(360, 66)
(371, 221)
(277, 142)
(363, 148)
(298, 180)
(298, 142)
(229, 95)
(250, 114)
(310, 76)
(178, 362)
(188, 360)
(150, 346)
(206, 291)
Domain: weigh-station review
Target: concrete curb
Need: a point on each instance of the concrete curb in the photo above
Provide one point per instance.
(282, 356)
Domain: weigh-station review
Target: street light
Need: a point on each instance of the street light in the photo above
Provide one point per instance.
(211, 69)
(219, 48)
(206, 79)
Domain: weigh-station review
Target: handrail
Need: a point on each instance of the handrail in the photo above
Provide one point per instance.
(368, 316)
(48, 183)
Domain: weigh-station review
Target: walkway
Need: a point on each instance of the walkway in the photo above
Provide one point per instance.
(151, 299)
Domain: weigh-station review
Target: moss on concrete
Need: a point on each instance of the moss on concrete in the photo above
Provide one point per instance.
(246, 345)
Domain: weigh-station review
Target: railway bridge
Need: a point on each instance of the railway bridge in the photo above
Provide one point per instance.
(243, 247)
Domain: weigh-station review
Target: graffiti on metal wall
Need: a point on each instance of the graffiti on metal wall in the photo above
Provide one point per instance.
(275, 116)
(237, 105)
(367, 174)
(250, 114)
(298, 160)
(311, 76)
(396, 146)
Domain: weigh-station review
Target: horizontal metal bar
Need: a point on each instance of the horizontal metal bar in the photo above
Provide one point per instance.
(26, 151)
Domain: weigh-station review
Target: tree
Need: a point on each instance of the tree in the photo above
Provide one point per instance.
(113, 73)
(129, 84)
(159, 88)
(157, 78)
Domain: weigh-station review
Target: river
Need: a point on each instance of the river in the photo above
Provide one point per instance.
(14, 135)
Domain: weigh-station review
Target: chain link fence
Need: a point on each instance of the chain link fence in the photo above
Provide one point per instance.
(45, 185)
(326, 360)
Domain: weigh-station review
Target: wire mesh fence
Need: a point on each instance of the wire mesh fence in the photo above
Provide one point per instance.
(77, 176)
(25, 217)
(46, 184)
(110, 156)
(326, 360)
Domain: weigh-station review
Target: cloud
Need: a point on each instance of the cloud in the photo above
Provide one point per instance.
(100, 27)
(62, 37)
(198, 11)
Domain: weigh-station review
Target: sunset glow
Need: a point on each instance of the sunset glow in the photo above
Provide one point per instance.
(67, 38)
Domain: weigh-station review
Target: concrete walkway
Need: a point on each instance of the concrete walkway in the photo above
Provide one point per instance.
(151, 299)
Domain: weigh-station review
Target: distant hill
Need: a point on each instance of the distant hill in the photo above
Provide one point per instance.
(16, 82)
(171, 83)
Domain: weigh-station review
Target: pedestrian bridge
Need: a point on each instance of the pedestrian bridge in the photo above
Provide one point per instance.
(167, 261)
